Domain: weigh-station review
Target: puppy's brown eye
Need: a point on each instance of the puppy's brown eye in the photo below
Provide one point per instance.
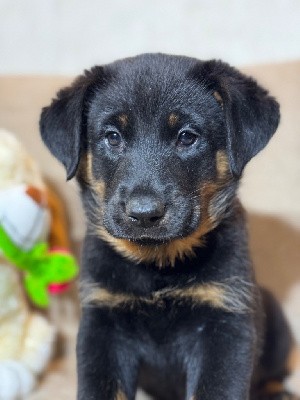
(113, 138)
(186, 138)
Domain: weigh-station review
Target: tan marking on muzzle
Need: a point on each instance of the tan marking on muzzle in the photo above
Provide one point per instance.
(167, 253)
(162, 255)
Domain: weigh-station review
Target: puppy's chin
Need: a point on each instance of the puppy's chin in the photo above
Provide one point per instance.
(160, 250)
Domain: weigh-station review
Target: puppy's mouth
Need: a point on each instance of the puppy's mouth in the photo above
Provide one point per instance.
(151, 241)
(154, 238)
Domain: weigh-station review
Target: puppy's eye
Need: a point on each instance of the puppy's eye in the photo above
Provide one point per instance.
(186, 138)
(113, 139)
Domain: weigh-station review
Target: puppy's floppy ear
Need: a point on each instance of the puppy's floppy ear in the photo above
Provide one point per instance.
(251, 115)
(62, 124)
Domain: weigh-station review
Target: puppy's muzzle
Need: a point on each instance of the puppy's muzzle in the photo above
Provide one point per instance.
(144, 211)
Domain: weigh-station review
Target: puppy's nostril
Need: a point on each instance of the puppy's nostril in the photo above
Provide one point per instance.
(145, 211)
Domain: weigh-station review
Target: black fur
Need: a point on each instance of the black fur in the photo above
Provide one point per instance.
(149, 179)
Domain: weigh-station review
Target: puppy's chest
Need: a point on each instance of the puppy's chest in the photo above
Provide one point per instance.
(162, 326)
(172, 324)
(172, 301)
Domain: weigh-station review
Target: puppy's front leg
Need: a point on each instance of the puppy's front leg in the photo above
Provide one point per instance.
(106, 361)
(224, 370)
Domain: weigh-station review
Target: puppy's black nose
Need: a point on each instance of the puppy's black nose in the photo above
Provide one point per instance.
(145, 210)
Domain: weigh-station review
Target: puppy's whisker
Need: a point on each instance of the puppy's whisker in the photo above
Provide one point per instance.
(194, 192)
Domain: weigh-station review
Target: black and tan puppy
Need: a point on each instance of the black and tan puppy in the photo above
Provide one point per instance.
(170, 303)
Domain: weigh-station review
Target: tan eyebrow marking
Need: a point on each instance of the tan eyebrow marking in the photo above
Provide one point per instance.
(123, 118)
(172, 120)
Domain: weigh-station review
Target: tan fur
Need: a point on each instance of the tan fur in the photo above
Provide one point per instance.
(207, 194)
(95, 295)
(232, 296)
(97, 185)
(161, 255)
(273, 387)
(85, 168)
(173, 118)
(211, 294)
(123, 118)
(99, 188)
(120, 395)
(89, 167)
(222, 164)
(218, 97)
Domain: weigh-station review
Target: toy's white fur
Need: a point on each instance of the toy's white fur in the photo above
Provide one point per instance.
(16, 166)
(16, 380)
(26, 338)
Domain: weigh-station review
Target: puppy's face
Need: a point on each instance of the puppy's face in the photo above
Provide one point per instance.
(160, 142)
(153, 149)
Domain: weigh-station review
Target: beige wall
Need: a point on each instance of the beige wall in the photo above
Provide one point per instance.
(65, 36)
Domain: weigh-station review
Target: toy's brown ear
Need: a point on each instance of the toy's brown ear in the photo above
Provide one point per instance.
(63, 123)
(251, 115)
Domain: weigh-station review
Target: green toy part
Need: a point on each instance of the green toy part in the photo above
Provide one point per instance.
(41, 267)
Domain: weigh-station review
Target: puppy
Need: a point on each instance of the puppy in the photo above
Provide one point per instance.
(158, 144)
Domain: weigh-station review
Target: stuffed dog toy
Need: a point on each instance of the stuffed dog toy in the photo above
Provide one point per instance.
(158, 144)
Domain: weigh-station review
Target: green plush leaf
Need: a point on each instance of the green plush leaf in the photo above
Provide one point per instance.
(36, 290)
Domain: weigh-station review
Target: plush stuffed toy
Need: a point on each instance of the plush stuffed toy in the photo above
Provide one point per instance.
(24, 219)
(33, 256)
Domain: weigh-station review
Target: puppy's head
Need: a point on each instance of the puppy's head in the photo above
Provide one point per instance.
(158, 144)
